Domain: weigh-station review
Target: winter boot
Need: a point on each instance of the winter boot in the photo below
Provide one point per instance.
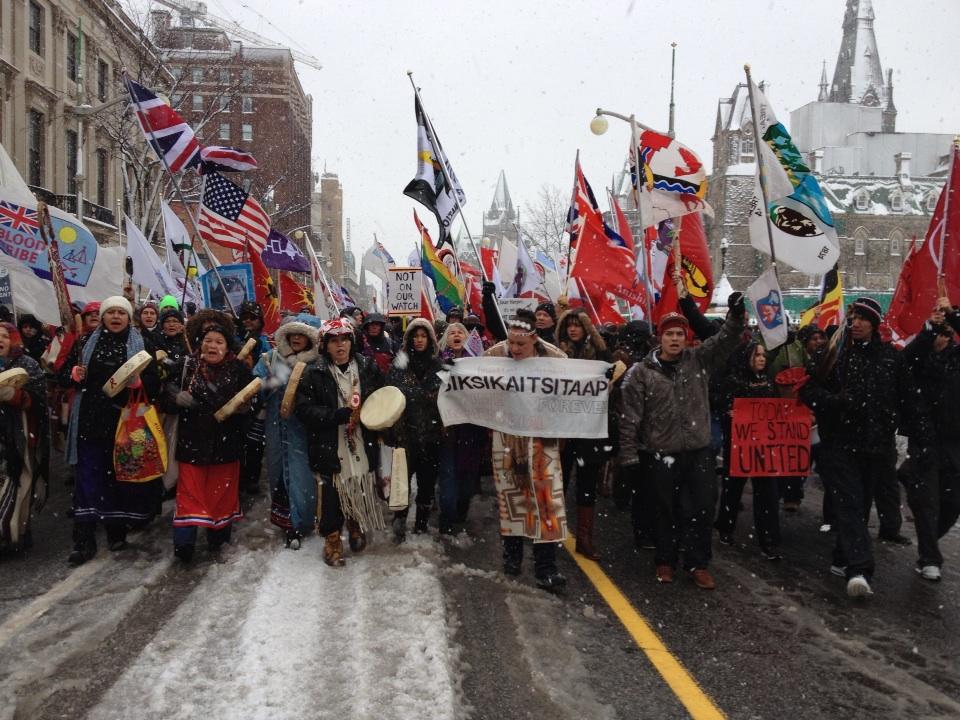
(399, 527)
(293, 539)
(84, 543)
(420, 521)
(358, 541)
(184, 553)
(116, 536)
(333, 550)
(545, 568)
(585, 516)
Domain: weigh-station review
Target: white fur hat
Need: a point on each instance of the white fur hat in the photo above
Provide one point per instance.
(116, 301)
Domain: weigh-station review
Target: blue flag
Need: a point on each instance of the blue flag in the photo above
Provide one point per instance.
(280, 253)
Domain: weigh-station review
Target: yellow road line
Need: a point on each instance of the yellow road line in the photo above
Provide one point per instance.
(694, 699)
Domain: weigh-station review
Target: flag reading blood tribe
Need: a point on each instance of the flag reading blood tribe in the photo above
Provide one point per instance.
(538, 397)
(770, 437)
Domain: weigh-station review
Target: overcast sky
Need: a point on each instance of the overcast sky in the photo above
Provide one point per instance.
(513, 84)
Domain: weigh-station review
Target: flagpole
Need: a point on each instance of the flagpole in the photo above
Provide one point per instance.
(323, 276)
(583, 289)
(946, 207)
(573, 201)
(763, 179)
(179, 192)
(648, 301)
(453, 190)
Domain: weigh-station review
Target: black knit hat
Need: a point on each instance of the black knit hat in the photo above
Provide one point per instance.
(548, 308)
(170, 312)
(869, 309)
(250, 309)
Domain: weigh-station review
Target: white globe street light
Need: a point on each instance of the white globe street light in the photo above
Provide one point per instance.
(599, 125)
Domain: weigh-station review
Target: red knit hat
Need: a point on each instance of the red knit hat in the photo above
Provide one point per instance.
(672, 320)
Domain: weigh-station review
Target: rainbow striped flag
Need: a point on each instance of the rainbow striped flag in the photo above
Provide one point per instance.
(449, 288)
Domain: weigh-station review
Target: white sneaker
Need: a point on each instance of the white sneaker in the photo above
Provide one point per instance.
(929, 572)
(838, 570)
(858, 587)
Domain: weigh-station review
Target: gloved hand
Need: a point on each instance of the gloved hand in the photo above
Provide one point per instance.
(6, 394)
(342, 415)
(489, 288)
(185, 400)
(736, 305)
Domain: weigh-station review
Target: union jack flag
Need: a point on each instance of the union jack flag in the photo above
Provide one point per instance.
(18, 217)
(166, 132)
(230, 217)
(583, 204)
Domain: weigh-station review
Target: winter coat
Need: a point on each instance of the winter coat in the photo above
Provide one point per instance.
(99, 414)
(318, 400)
(742, 382)
(415, 374)
(938, 377)
(379, 349)
(30, 403)
(867, 394)
(591, 347)
(671, 413)
(201, 440)
(286, 438)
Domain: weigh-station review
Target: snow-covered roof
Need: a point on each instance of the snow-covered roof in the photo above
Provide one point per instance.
(842, 191)
(721, 291)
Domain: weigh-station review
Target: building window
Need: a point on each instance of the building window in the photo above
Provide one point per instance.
(247, 76)
(177, 73)
(224, 76)
(896, 202)
(176, 100)
(35, 28)
(196, 75)
(858, 245)
(72, 56)
(224, 131)
(103, 71)
(862, 201)
(224, 103)
(247, 132)
(247, 104)
(102, 168)
(36, 139)
(70, 150)
(895, 245)
(198, 103)
(932, 201)
(747, 148)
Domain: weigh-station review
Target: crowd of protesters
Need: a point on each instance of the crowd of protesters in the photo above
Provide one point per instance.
(666, 457)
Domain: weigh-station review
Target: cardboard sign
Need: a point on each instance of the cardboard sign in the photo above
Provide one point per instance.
(769, 437)
(403, 291)
(509, 306)
(6, 289)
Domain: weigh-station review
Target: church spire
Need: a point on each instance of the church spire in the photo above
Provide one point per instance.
(502, 204)
(858, 77)
(824, 85)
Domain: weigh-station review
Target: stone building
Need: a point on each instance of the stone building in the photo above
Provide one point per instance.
(249, 98)
(881, 185)
(326, 223)
(56, 56)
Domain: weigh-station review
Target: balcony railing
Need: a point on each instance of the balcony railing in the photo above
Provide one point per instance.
(68, 203)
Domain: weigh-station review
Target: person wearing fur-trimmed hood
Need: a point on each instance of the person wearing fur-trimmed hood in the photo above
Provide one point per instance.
(420, 430)
(293, 490)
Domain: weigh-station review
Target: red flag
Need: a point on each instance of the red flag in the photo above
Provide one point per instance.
(602, 256)
(922, 280)
(294, 296)
(266, 294)
(695, 268)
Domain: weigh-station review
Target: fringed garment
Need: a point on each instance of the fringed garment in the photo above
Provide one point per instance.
(529, 487)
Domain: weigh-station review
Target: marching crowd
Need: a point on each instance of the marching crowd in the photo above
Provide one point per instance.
(666, 457)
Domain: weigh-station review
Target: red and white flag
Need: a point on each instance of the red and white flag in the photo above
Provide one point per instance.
(166, 132)
(225, 159)
(230, 217)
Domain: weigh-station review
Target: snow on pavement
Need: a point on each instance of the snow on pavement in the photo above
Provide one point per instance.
(277, 634)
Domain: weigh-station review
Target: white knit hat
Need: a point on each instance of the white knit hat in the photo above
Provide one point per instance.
(116, 301)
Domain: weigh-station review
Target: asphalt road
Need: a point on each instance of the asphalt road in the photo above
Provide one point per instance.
(773, 640)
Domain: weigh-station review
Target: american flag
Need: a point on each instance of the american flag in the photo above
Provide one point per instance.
(18, 217)
(230, 217)
(166, 132)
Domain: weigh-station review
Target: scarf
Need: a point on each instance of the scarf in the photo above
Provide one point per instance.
(134, 345)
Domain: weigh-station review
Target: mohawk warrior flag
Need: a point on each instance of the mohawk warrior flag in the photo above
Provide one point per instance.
(800, 222)
(429, 186)
(171, 138)
(294, 296)
(230, 217)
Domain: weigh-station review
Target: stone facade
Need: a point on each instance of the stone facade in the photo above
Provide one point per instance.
(47, 68)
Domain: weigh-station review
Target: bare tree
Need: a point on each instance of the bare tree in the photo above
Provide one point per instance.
(544, 220)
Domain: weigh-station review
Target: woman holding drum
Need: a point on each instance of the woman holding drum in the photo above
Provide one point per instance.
(24, 446)
(293, 490)
(213, 401)
(94, 415)
(343, 454)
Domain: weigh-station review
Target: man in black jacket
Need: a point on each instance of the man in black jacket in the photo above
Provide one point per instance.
(933, 481)
(861, 394)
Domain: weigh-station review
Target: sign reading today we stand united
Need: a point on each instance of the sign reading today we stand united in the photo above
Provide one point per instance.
(537, 397)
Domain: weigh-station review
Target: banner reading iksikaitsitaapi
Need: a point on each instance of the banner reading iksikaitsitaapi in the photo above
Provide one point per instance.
(537, 397)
